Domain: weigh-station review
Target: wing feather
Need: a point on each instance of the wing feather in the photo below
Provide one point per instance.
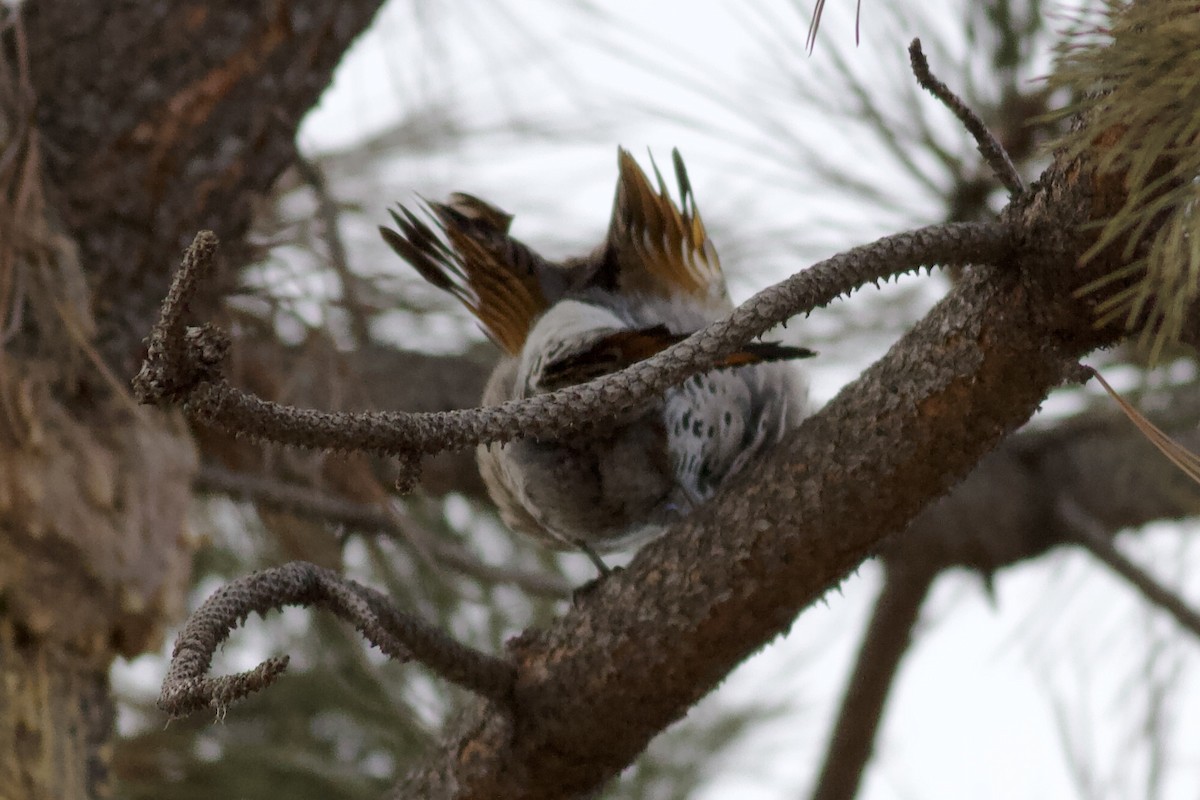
(654, 246)
(468, 252)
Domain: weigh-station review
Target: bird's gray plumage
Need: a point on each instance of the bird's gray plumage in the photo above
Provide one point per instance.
(654, 280)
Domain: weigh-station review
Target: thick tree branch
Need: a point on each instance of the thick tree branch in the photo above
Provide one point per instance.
(912, 425)
(648, 642)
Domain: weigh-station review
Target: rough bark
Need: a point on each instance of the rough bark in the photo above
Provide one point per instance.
(161, 119)
(645, 645)
(186, 130)
(151, 120)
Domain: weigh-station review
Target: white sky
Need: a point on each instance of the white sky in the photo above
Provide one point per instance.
(971, 715)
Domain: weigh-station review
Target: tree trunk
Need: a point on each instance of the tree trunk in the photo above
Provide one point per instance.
(147, 121)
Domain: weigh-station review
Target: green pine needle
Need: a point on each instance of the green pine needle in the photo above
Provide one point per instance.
(1135, 79)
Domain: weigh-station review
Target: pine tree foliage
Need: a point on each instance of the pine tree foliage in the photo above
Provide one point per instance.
(1136, 79)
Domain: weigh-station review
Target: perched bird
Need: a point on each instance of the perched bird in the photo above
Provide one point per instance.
(653, 281)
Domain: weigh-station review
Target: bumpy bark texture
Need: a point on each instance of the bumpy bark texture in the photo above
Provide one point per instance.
(151, 120)
(160, 119)
(649, 642)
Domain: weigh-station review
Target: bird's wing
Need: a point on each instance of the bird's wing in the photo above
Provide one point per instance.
(619, 349)
(504, 283)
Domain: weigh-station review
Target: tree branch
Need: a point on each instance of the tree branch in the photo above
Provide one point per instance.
(1097, 540)
(401, 636)
(884, 644)
(167, 378)
(734, 574)
(737, 571)
(993, 153)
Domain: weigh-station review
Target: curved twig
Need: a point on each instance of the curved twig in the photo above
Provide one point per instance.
(178, 358)
(179, 367)
(992, 151)
(401, 636)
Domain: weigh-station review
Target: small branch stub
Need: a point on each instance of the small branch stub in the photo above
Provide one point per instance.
(180, 358)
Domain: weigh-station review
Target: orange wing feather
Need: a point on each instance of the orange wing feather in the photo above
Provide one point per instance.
(502, 282)
(656, 247)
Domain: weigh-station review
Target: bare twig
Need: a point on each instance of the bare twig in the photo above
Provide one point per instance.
(401, 636)
(1098, 541)
(179, 368)
(992, 151)
(310, 502)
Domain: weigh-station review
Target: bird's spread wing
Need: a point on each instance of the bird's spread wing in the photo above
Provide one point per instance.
(504, 283)
(654, 246)
(619, 349)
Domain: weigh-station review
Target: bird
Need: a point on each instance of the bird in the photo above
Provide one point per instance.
(654, 280)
